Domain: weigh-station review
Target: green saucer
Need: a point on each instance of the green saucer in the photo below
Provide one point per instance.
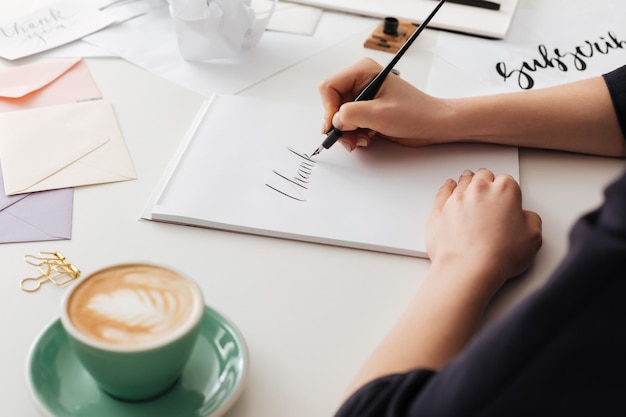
(210, 384)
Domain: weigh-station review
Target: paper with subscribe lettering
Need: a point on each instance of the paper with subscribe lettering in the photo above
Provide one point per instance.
(589, 40)
(238, 169)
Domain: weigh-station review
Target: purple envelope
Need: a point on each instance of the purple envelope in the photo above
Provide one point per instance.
(45, 215)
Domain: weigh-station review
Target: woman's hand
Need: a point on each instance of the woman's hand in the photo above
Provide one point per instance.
(399, 112)
(478, 223)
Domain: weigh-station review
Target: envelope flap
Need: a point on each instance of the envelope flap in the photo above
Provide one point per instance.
(45, 215)
(31, 152)
(7, 201)
(18, 81)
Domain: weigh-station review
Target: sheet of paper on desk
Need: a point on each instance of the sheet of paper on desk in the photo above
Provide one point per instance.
(62, 146)
(588, 40)
(293, 18)
(454, 17)
(135, 41)
(122, 10)
(235, 172)
(51, 26)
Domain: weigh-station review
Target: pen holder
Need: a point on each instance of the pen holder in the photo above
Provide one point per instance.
(213, 29)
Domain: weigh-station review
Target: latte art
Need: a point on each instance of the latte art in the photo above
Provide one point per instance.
(132, 305)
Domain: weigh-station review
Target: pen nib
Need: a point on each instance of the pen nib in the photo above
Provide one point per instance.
(317, 151)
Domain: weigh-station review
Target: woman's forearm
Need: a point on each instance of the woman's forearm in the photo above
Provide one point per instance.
(577, 117)
(436, 325)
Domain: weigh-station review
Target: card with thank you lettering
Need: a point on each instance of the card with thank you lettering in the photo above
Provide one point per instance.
(50, 26)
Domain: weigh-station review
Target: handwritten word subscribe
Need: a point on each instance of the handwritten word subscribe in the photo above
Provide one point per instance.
(560, 60)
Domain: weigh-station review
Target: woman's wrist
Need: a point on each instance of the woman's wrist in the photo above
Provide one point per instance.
(475, 279)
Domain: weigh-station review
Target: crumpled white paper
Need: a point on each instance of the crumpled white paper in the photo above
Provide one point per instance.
(212, 29)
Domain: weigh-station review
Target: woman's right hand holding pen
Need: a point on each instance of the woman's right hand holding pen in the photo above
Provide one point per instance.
(400, 112)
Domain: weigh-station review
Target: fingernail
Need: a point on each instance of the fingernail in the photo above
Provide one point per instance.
(347, 145)
(466, 173)
(337, 121)
(362, 140)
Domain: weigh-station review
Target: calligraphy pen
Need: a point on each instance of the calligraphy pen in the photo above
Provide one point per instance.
(372, 88)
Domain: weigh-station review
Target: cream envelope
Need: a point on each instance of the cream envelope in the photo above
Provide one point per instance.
(45, 83)
(62, 146)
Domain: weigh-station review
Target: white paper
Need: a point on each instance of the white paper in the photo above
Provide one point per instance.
(293, 18)
(454, 17)
(376, 198)
(150, 42)
(51, 26)
(550, 42)
(219, 28)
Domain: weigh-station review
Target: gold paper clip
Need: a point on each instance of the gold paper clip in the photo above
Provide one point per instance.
(53, 267)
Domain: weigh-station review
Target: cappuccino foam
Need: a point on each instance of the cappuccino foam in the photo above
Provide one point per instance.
(132, 305)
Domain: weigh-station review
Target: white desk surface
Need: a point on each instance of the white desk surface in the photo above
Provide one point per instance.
(310, 313)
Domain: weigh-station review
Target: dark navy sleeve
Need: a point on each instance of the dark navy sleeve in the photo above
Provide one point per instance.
(616, 82)
(388, 396)
(560, 352)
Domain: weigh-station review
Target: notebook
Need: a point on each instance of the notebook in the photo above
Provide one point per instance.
(453, 17)
(243, 167)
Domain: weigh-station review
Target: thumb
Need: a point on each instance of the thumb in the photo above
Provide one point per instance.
(354, 115)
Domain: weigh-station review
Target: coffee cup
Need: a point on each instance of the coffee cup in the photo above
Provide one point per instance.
(133, 327)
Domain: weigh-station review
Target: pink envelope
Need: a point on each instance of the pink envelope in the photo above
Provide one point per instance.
(45, 215)
(46, 83)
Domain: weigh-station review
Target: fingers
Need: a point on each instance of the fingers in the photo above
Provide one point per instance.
(534, 222)
(450, 186)
(354, 115)
(464, 180)
(444, 192)
(344, 86)
(357, 138)
(467, 176)
(485, 174)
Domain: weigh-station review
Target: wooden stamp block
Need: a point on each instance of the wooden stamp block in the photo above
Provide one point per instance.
(390, 34)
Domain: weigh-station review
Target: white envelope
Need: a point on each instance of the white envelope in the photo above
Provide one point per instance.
(62, 146)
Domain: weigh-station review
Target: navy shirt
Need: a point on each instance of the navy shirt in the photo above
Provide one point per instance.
(561, 352)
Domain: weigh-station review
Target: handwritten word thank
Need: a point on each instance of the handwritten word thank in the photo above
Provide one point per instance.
(560, 60)
(294, 185)
(39, 28)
